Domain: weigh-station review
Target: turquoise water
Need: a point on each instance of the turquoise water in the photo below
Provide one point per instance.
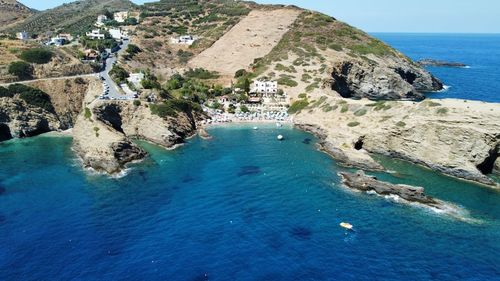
(242, 206)
(481, 52)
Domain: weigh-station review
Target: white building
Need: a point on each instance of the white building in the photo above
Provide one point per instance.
(185, 40)
(118, 34)
(22, 35)
(56, 41)
(136, 79)
(95, 34)
(264, 87)
(100, 20)
(121, 16)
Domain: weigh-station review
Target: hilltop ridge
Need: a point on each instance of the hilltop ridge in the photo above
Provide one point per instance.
(11, 11)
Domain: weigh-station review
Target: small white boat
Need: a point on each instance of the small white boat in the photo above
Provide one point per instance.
(255, 128)
(346, 225)
(279, 125)
(280, 137)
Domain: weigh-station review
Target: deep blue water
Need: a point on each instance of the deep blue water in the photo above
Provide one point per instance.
(242, 206)
(479, 51)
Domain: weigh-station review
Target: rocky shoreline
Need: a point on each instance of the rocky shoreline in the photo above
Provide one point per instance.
(457, 138)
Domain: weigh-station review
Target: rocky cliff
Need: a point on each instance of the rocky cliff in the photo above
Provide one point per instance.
(12, 11)
(455, 137)
(103, 133)
(19, 119)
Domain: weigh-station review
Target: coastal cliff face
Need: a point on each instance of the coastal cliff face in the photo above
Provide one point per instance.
(19, 119)
(391, 79)
(455, 137)
(103, 133)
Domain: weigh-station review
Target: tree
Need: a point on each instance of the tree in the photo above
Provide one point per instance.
(119, 74)
(240, 73)
(246, 85)
(244, 108)
(37, 55)
(21, 69)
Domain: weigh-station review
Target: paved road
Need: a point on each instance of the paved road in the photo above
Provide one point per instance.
(115, 92)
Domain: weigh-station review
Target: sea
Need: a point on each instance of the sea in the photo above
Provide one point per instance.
(245, 206)
(479, 80)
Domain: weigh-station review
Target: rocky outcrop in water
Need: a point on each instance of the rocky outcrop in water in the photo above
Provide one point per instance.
(440, 63)
(360, 181)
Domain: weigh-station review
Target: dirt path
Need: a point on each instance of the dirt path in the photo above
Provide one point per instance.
(253, 37)
(49, 79)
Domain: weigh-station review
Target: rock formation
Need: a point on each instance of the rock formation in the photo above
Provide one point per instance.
(103, 133)
(458, 138)
(412, 194)
(440, 63)
(389, 79)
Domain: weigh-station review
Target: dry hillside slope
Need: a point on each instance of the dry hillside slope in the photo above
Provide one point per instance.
(12, 11)
(253, 37)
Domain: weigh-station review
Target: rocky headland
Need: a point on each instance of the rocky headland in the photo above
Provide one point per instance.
(104, 132)
(458, 138)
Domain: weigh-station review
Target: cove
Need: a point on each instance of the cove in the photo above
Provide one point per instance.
(242, 206)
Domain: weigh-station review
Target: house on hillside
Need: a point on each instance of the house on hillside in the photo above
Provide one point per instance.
(66, 36)
(101, 19)
(118, 33)
(183, 40)
(22, 35)
(95, 34)
(90, 55)
(264, 87)
(121, 17)
(56, 41)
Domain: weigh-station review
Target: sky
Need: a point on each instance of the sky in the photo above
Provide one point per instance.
(430, 16)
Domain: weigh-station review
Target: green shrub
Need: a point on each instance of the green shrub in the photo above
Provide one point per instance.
(344, 108)
(240, 73)
(244, 109)
(297, 106)
(200, 73)
(184, 56)
(137, 102)
(32, 96)
(5, 93)
(119, 74)
(287, 81)
(380, 105)
(173, 106)
(360, 112)
(335, 47)
(302, 96)
(37, 55)
(96, 130)
(21, 69)
(401, 124)
(353, 124)
(442, 111)
(433, 104)
(87, 114)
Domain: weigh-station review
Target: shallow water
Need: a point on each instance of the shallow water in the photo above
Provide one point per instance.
(242, 206)
(481, 52)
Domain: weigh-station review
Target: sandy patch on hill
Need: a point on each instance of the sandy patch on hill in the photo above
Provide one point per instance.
(253, 37)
